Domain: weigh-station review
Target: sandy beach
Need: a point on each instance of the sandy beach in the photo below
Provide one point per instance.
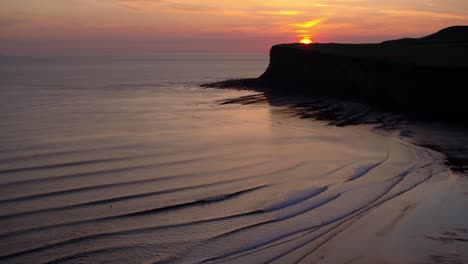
(237, 132)
(137, 170)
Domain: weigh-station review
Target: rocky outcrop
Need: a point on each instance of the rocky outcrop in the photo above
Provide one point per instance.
(424, 76)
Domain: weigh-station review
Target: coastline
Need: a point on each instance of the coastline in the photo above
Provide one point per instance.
(447, 138)
(395, 230)
(405, 84)
(409, 100)
(270, 184)
(129, 182)
(417, 78)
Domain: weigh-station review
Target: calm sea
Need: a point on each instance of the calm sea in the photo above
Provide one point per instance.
(46, 100)
(125, 159)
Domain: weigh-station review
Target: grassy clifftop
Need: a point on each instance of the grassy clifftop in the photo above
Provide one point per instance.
(446, 48)
(426, 76)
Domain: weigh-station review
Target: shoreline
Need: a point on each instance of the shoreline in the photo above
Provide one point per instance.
(341, 113)
(417, 78)
(394, 230)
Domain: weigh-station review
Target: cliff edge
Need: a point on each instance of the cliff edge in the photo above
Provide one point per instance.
(425, 76)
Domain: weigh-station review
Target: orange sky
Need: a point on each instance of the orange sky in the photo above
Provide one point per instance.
(136, 26)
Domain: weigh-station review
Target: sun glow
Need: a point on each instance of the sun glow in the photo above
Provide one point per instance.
(146, 26)
(306, 41)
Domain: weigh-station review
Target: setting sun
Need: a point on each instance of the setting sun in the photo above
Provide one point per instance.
(306, 41)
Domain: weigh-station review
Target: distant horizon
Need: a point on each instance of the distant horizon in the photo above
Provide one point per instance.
(129, 54)
(54, 27)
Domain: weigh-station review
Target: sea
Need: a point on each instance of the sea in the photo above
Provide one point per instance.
(127, 159)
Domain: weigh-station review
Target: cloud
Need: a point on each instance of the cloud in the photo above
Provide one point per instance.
(280, 13)
(309, 24)
(165, 5)
(428, 14)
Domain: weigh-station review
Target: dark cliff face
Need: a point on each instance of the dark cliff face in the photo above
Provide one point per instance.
(388, 76)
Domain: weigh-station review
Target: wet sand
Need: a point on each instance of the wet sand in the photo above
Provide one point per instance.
(425, 223)
(236, 183)
(128, 160)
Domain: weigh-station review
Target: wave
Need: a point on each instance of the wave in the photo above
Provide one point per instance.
(361, 171)
(273, 208)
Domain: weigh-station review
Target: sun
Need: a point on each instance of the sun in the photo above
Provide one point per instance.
(306, 41)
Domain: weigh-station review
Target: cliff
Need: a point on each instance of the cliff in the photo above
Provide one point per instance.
(425, 76)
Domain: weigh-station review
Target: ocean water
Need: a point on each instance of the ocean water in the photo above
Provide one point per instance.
(44, 98)
(126, 159)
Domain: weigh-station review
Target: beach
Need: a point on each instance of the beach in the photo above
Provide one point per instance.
(129, 160)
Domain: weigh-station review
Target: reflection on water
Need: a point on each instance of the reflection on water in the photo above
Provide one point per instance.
(128, 160)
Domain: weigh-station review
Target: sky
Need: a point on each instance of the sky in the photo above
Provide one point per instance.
(147, 26)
